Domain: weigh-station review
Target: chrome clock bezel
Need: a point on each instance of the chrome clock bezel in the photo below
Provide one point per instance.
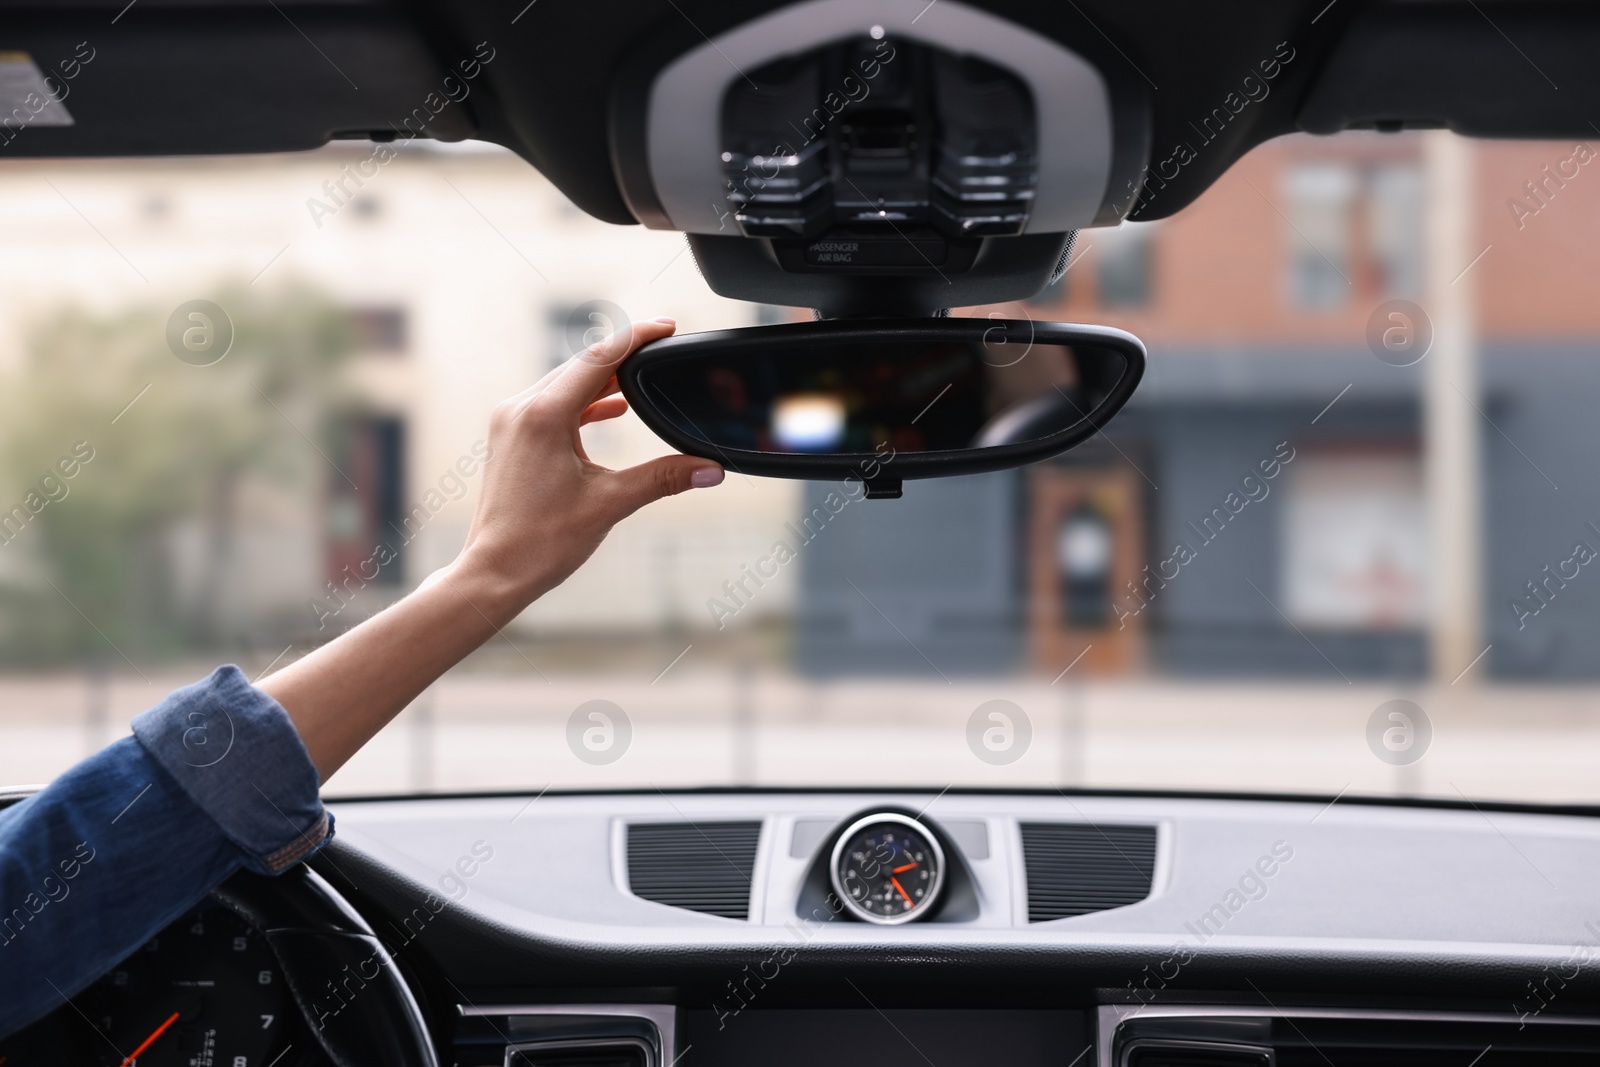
(901, 820)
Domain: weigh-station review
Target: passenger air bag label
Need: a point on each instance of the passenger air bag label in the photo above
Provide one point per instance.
(887, 252)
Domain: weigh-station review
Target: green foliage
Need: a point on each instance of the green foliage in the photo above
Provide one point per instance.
(183, 450)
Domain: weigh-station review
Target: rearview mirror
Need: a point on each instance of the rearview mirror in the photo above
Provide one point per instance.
(883, 400)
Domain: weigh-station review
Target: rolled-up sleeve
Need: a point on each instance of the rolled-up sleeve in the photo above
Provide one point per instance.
(233, 750)
(214, 778)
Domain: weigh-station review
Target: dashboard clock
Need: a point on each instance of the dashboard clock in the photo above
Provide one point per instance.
(887, 868)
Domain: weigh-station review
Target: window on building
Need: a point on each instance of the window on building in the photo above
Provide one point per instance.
(1122, 264)
(379, 329)
(1356, 541)
(1321, 200)
(367, 499)
(1395, 220)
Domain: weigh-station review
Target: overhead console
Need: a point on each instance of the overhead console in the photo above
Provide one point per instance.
(868, 159)
(890, 139)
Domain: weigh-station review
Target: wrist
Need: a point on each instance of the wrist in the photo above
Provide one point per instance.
(499, 595)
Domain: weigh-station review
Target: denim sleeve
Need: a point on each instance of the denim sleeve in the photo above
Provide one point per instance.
(214, 778)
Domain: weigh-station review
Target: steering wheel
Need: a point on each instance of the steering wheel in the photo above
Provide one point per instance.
(343, 980)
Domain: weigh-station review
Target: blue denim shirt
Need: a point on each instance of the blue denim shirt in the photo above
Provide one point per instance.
(214, 778)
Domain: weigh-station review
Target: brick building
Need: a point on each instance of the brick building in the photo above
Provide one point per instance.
(1257, 303)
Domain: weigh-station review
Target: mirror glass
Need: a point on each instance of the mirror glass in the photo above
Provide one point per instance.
(860, 395)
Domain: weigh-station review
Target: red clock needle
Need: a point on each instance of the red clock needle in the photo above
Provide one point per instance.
(151, 1039)
(892, 881)
(901, 870)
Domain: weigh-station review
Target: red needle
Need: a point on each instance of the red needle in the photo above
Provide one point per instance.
(892, 881)
(151, 1039)
(901, 870)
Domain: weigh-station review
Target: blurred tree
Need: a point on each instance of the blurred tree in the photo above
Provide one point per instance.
(172, 444)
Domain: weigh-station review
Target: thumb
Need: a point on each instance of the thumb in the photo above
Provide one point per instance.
(667, 476)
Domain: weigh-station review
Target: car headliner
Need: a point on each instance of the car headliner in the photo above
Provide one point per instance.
(175, 77)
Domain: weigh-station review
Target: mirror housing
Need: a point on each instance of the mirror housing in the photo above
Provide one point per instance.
(883, 400)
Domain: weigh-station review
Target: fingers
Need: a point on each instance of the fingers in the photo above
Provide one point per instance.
(635, 487)
(525, 398)
(602, 356)
(587, 377)
(608, 408)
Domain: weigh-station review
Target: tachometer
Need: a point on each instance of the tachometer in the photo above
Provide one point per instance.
(888, 868)
(206, 992)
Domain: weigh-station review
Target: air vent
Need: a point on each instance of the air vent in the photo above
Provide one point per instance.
(1077, 868)
(600, 1053)
(1200, 1036)
(701, 866)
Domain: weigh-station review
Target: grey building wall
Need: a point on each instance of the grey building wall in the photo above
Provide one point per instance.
(1211, 416)
(1543, 489)
(924, 585)
(938, 575)
(1541, 456)
(1220, 615)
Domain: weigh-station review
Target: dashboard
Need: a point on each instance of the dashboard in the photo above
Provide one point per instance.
(954, 928)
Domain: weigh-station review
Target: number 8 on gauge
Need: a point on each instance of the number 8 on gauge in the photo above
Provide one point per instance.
(888, 868)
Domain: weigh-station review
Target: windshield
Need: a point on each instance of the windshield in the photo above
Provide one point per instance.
(1338, 542)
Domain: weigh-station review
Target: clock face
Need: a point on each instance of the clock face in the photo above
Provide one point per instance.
(888, 869)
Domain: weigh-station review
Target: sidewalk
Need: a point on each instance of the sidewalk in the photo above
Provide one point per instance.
(483, 732)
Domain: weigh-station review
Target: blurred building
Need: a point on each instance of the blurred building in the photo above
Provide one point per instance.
(1161, 545)
(465, 277)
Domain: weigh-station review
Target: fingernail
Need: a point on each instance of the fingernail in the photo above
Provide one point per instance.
(706, 477)
(665, 319)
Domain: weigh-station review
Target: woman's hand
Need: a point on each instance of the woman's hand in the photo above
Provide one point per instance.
(545, 506)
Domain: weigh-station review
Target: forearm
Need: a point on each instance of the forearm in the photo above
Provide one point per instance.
(343, 693)
(544, 509)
